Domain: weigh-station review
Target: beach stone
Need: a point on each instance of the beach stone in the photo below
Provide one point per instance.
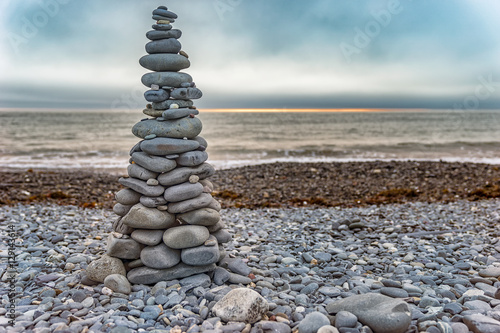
(201, 141)
(204, 216)
(394, 292)
(459, 328)
(123, 248)
(162, 26)
(186, 93)
(185, 236)
(118, 283)
(202, 280)
(182, 192)
(148, 237)
(159, 34)
(181, 175)
(192, 158)
(171, 79)
(160, 256)
(223, 236)
(216, 227)
(152, 202)
(493, 271)
(313, 322)
(201, 255)
(168, 146)
(177, 128)
(156, 96)
(166, 105)
(140, 217)
(241, 305)
(99, 269)
(165, 62)
(136, 171)
(272, 326)
(141, 186)
(122, 210)
(345, 319)
(153, 163)
(479, 323)
(147, 275)
(179, 113)
(121, 228)
(477, 305)
(328, 329)
(152, 113)
(127, 197)
(201, 201)
(381, 313)
(163, 12)
(169, 45)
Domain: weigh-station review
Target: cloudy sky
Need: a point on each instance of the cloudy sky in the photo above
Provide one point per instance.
(257, 53)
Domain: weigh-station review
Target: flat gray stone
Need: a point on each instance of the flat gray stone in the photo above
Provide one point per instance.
(121, 210)
(192, 158)
(201, 255)
(313, 322)
(493, 271)
(140, 217)
(169, 45)
(201, 141)
(216, 227)
(99, 269)
(160, 256)
(179, 113)
(148, 237)
(201, 201)
(156, 96)
(185, 236)
(177, 128)
(186, 93)
(394, 292)
(164, 12)
(118, 283)
(223, 236)
(153, 163)
(122, 228)
(139, 172)
(201, 280)
(182, 192)
(158, 34)
(142, 187)
(123, 248)
(167, 62)
(181, 175)
(482, 324)
(381, 313)
(345, 319)
(147, 275)
(241, 305)
(162, 26)
(272, 326)
(168, 103)
(168, 146)
(127, 197)
(171, 79)
(153, 202)
(203, 216)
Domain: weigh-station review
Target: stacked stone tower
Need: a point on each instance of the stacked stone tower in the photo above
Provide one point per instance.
(169, 225)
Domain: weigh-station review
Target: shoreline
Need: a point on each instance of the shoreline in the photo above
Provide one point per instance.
(278, 185)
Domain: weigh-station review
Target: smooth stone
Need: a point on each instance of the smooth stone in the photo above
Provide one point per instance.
(345, 319)
(215, 205)
(182, 192)
(202, 280)
(177, 128)
(273, 326)
(459, 328)
(152, 113)
(381, 313)
(312, 322)
(121, 228)
(477, 305)
(166, 105)
(223, 236)
(160, 256)
(186, 93)
(137, 171)
(221, 276)
(141, 217)
(152, 202)
(122, 210)
(201, 201)
(127, 197)
(141, 186)
(163, 12)
(168, 146)
(153, 163)
(192, 158)
(148, 237)
(185, 236)
(204, 216)
(162, 27)
(150, 136)
(156, 96)
(99, 269)
(181, 175)
(481, 324)
(171, 79)
(123, 248)
(201, 141)
(165, 62)
(159, 34)
(394, 292)
(201, 255)
(163, 19)
(328, 329)
(118, 283)
(152, 182)
(179, 113)
(493, 271)
(216, 227)
(169, 45)
(241, 305)
(147, 275)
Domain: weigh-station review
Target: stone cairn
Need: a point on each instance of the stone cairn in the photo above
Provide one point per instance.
(169, 226)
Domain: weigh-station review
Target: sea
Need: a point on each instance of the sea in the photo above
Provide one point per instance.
(101, 139)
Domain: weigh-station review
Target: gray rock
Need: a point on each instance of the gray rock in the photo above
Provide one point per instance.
(159, 34)
(241, 305)
(181, 175)
(328, 329)
(481, 324)
(171, 79)
(147, 275)
(168, 103)
(185, 236)
(179, 113)
(148, 237)
(182, 192)
(118, 283)
(121, 210)
(127, 197)
(153, 202)
(201, 255)
(201, 201)
(177, 128)
(221, 276)
(136, 171)
(216, 227)
(203, 216)
(202, 280)
(345, 319)
(123, 248)
(394, 292)
(459, 328)
(160, 256)
(192, 158)
(201, 141)
(477, 305)
(162, 27)
(141, 186)
(273, 326)
(186, 93)
(223, 236)
(238, 266)
(165, 62)
(428, 301)
(163, 12)
(122, 228)
(140, 217)
(313, 322)
(169, 45)
(493, 271)
(381, 313)
(156, 96)
(153, 163)
(99, 269)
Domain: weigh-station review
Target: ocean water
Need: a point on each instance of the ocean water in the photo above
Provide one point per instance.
(102, 139)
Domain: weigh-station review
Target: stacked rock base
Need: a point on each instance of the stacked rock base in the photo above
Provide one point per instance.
(169, 225)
